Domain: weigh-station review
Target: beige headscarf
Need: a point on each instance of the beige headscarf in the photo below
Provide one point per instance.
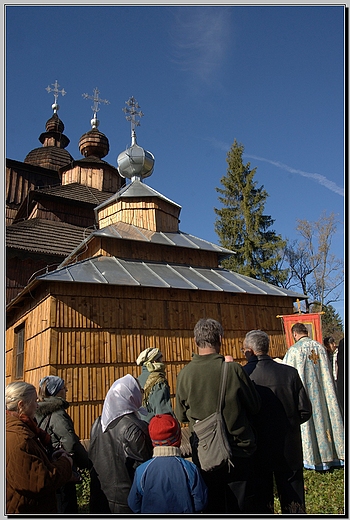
(148, 358)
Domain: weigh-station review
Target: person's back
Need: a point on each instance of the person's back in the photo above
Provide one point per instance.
(322, 435)
(284, 406)
(119, 442)
(156, 395)
(197, 390)
(52, 416)
(167, 483)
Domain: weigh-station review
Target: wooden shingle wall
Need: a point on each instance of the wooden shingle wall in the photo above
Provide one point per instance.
(91, 335)
(20, 180)
(153, 214)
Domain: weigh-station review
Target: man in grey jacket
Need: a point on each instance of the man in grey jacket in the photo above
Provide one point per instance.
(285, 405)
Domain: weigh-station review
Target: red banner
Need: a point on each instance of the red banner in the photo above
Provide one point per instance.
(311, 321)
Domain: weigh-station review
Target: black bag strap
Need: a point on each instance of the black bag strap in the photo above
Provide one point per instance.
(222, 388)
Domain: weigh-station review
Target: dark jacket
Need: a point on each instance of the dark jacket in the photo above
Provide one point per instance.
(61, 429)
(31, 478)
(197, 389)
(159, 398)
(115, 454)
(53, 418)
(284, 406)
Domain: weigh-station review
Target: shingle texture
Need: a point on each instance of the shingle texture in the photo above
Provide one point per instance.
(50, 157)
(45, 236)
(77, 192)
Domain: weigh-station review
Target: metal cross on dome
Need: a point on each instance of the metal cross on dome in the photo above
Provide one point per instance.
(97, 101)
(56, 92)
(132, 112)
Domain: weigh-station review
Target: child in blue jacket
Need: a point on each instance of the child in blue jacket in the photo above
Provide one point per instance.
(167, 483)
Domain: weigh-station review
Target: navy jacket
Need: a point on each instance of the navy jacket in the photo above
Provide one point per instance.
(167, 484)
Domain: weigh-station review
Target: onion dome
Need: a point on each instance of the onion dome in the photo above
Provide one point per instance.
(94, 143)
(52, 155)
(134, 162)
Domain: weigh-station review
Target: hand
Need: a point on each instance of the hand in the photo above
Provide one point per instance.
(62, 453)
(67, 456)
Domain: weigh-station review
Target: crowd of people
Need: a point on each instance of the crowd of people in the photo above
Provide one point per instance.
(280, 418)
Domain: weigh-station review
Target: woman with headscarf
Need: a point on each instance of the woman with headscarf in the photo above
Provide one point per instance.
(33, 472)
(119, 442)
(156, 397)
(54, 419)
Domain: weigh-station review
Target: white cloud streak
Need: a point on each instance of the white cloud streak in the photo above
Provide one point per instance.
(201, 36)
(321, 179)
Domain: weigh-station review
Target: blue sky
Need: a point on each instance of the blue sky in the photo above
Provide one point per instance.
(271, 77)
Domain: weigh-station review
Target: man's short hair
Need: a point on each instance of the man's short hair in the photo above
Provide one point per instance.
(300, 328)
(258, 341)
(208, 331)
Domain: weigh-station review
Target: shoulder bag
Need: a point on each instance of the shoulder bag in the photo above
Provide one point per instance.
(214, 451)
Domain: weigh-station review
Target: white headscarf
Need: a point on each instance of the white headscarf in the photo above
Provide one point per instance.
(123, 397)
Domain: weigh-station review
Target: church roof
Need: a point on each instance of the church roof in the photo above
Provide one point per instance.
(181, 239)
(118, 271)
(135, 189)
(50, 157)
(45, 236)
(77, 192)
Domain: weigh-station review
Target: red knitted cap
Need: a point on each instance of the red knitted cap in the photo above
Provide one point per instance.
(165, 430)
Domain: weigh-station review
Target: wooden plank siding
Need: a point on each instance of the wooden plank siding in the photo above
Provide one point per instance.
(145, 251)
(154, 215)
(91, 334)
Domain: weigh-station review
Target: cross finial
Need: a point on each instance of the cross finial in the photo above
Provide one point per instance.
(56, 92)
(95, 108)
(131, 114)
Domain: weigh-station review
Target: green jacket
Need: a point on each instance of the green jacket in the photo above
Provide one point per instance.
(197, 390)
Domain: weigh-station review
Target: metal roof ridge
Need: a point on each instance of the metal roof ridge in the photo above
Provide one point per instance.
(247, 280)
(219, 248)
(155, 274)
(218, 273)
(206, 279)
(182, 277)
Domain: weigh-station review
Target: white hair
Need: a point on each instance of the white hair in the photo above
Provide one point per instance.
(18, 391)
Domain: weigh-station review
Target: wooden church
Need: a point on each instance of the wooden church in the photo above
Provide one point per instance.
(133, 281)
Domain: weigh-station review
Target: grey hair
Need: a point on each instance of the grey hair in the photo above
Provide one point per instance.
(258, 341)
(208, 331)
(18, 391)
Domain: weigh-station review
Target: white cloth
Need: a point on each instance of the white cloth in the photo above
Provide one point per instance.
(122, 398)
(323, 434)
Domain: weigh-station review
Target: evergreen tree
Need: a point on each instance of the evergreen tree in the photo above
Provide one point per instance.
(242, 226)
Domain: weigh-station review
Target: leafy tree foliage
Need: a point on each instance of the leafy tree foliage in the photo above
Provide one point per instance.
(313, 267)
(242, 226)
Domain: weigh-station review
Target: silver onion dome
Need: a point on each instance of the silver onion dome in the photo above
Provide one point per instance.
(135, 161)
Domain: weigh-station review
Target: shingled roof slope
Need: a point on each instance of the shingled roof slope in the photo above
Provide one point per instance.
(77, 192)
(45, 236)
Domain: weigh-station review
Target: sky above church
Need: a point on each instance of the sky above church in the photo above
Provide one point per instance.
(271, 77)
